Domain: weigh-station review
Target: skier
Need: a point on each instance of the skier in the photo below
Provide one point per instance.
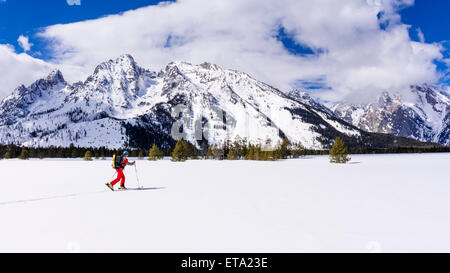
(120, 163)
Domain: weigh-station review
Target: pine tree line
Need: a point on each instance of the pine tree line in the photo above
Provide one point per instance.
(239, 149)
(14, 151)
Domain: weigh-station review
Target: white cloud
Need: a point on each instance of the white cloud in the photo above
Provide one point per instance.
(73, 2)
(358, 59)
(19, 69)
(420, 35)
(446, 73)
(24, 43)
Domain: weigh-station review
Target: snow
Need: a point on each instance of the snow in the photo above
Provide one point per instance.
(338, 126)
(387, 203)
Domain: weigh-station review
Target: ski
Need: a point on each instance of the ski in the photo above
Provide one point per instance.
(109, 187)
(131, 189)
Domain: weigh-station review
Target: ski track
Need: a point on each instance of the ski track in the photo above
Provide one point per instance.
(378, 203)
(48, 198)
(73, 195)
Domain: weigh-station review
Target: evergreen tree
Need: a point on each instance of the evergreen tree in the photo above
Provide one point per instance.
(24, 155)
(227, 144)
(141, 154)
(88, 156)
(219, 152)
(60, 153)
(210, 152)
(250, 155)
(284, 148)
(32, 153)
(11, 151)
(235, 150)
(71, 149)
(339, 153)
(215, 152)
(298, 150)
(233, 154)
(134, 153)
(155, 153)
(179, 153)
(81, 153)
(189, 150)
(74, 153)
(195, 156)
(271, 155)
(51, 153)
(244, 147)
(7, 155)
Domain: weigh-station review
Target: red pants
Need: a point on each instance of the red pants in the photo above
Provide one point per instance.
(120, 176)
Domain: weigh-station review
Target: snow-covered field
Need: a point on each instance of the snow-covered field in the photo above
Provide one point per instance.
(377, 203)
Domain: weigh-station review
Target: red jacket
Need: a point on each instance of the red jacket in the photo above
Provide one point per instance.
(124, 163)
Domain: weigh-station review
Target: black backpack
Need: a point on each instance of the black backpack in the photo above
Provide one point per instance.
(118, 162)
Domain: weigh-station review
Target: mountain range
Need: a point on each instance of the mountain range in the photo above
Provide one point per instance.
(124, 105)
(424, 115)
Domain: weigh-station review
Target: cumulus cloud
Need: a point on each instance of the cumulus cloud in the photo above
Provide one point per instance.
(361, 46)
(420, 35)
(19, 69)
(73, 2)
(446, 73)
(24, 43)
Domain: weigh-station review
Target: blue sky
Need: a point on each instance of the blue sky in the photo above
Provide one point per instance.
(433, 19)
(25, 17)
(290, 55)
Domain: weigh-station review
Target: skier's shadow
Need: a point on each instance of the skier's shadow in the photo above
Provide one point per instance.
(146, 189)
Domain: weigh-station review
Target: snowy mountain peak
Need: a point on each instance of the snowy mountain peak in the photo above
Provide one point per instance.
(55, 77)
(54, 80)
(385, 99)
(305, 98)
(124, 105)
(301, 96)
(18, 104)
(432, 95)
(121, 78)
(173, 70)
(124, 64)
(126, 59)
(424, 114)
(21, 89)
(210, 66)
(186, 67)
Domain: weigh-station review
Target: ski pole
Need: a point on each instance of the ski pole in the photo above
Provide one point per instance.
(137, 177)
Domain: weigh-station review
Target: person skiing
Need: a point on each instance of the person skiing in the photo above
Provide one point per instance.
(120, 163)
